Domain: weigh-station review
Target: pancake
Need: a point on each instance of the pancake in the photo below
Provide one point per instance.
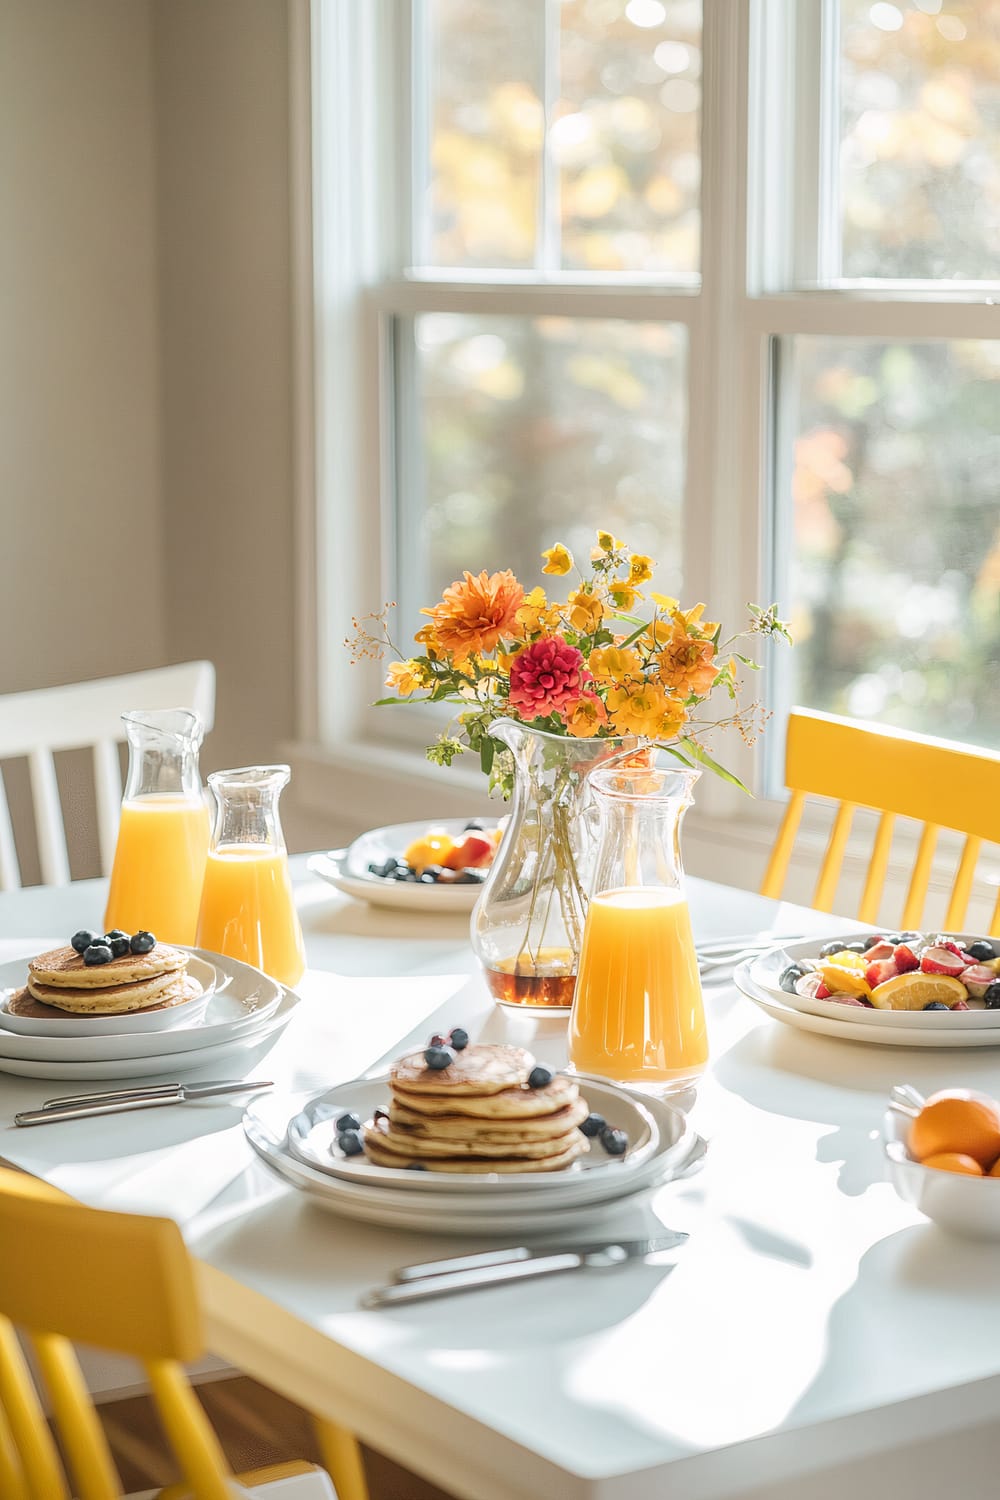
(518, 1103)
(401, 1140)
(487, 1068)
(65, 969)
(23, 1003)
(467, 1129)
(477, 1164)
(121, 999)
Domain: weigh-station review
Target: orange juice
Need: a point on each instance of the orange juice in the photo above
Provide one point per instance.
(637, 1013)
(159, 867)
(247, 911)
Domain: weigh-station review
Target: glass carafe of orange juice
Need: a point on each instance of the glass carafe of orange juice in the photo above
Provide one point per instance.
(247, 909)
(163, 834)
(637, 1016)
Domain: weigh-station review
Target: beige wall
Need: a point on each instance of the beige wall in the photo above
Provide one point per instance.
(145, 408)
(81, 577)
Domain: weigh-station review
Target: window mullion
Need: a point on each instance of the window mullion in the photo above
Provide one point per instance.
(548, 237)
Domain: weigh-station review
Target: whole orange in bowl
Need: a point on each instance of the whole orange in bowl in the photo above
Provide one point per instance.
(953, 1161)
(957, 1122)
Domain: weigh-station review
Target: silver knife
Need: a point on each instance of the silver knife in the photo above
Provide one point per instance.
(610, 1254)
(79, 1107)
(669, 1240)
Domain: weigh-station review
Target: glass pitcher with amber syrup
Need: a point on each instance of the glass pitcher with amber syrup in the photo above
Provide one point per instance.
(247, 910)
(159, 859)
(638, 1016)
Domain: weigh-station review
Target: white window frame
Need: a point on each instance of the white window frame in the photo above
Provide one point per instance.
(759, 273)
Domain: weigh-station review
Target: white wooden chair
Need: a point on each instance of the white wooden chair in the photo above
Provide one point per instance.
(84, 715)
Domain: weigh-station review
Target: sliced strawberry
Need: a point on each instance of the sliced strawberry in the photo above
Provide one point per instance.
(977, 979)
(941, 960)
(881, 970)
(881, 949)
(822, 993)
(906, 959)
(961, 1005)
(950, 944)
(848, 1000)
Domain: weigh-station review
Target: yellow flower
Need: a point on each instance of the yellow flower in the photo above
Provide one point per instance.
(536, 613)
(609, 543)
(645, 709)
(624, 596)
(640, 568)
(585, 717)
(692, 623)
(664, 601)
(427, 637)
(585, 611)
(558, 559)
(404, 677)
(614, 663)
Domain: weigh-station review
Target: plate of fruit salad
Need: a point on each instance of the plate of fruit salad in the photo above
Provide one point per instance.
(439, 866)
(919, 980)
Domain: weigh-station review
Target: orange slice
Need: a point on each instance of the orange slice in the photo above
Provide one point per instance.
(847, 960)
(914, 991)
(843, 981)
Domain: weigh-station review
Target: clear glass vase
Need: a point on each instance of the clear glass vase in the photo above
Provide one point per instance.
(159, 859)
(527, 925)
(638, 1016)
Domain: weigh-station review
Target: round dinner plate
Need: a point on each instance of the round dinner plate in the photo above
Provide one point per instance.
(134, 1023)
(445, 1213)
(347, 869)
(849, 1031)
(164, 1063)
(766, 971)
(242, 1000)
(311, 1138)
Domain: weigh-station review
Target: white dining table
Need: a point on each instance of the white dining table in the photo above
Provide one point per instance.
(815, 1333)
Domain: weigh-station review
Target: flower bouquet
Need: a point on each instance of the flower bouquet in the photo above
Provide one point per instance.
(543, 691)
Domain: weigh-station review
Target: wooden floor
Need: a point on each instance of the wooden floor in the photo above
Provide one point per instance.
(255, 1425)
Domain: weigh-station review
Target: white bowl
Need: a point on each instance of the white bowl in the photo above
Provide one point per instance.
(967, 1206)
(347, 869)
(13, 976)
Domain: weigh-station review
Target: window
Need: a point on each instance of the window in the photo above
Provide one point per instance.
(720, 276)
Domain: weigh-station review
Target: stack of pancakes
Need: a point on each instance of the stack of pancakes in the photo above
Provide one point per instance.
(477, 1115)
(61, 984)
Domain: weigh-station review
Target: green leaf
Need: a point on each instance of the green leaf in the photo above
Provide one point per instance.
(487, 751)
(703, 756)
(673, 750)
(381, 702)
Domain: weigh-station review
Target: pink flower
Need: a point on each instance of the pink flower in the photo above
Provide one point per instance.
(546, 677)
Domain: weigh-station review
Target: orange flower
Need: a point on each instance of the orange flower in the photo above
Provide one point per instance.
(475, 613)
(614, 664)
(585, 717)
(585, 611)
(645, 709)
(687, 664)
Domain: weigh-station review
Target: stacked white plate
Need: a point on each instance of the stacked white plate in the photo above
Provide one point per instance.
(240, 1009)
(296, 1138)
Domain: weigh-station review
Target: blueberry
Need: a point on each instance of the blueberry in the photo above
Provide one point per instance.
(118, 942)
(82, 940)
(937, 1005)
(348, 1121)
(459, 1038)
(437, 1058)
(788, 978)
(858, 947)
(432, 874)
(474, 825)
(350, 1142)
(416, 1166)
(615, 1142)
(539, 1078)
(100, 953)
(981, 950)
(142, 942)
(391, 864)
(401, 872)
(992, 996)
(828, 949)
(593, 1125)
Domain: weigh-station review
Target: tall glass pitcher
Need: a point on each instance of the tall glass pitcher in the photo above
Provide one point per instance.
(637, 1014)
(163, 835)
(247, 909)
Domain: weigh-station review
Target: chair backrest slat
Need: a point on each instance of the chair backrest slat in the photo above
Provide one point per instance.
(86, 1448)
(49, 827)
(13, 1483)
(26, 1420)
(961, 889)
(920, 879)
(833, 860)
(190, 1433)
(10, 870)
(781, 853)
(878, 867)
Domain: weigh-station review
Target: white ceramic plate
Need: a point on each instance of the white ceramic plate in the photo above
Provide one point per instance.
(311, 1138)
(135, 1023)
(969, 1206)
(242, 1001)
(347, 869)
(444, 1214)
(766, 972)
(880, 1036)
(162, 1064)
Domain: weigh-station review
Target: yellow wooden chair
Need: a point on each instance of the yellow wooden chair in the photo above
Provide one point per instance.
(941, 785)
(123, 1283)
